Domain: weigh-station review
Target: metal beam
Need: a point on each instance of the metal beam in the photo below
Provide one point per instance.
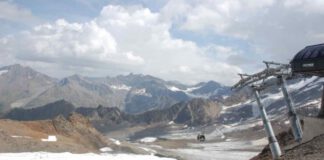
(273, 143)
(293, 117)
(280, 69)
(321, 112)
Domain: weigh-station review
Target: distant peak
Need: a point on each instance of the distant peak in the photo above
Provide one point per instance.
(212, 82)
(14, 66)
(76, 76)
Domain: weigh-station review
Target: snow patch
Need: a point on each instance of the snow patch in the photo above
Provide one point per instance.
(50, 138)
(287, 122)
(149, 150)
(15, 136)
(171, 122)
(302, 83)
(198, 154)
(16, 104)
(117, 142)
(121, 87)
(148, 139)
(3, 72)
(141, 92)
(173, 88)
(259, 142)
(70, 156)
(106, 149)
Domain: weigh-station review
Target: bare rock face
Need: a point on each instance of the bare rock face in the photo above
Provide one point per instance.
(19, 85)
(79, 121)
(63, 126)
(79, 127)
(198, 112)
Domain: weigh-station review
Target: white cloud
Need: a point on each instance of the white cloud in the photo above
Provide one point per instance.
(65, 43)
(184, 69)
(275, 29)
(220, 53)
(134, 58)
(11, 12)
(306, 6)
(119, 40)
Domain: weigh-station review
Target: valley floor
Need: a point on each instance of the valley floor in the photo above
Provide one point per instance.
(230, 142)
(70, 156)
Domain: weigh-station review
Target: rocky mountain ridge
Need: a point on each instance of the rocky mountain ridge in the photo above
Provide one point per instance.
(134, 93)
(193, 112)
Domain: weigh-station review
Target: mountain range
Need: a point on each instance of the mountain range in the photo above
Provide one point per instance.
(193, 112)
(23, 87)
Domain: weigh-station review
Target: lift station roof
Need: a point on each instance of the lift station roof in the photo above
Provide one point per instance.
(309, 60)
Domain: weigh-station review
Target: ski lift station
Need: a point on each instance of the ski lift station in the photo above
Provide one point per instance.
(309, 61)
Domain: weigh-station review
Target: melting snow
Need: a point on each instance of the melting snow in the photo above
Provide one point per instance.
(14, 136)
(197, 154)
(70, 156)
(302, 83)
(148, 150)
(3, 72)
(50, 139)
(142, 92)
(148, 139)
(120, 87)
(287, 122)
(173, 88)
(106, 149)
(117, 142)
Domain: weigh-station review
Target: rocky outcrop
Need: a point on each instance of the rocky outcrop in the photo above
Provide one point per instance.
(198, 112)
(310, 148)
(73, 134)
(48, 111)
(194, 112)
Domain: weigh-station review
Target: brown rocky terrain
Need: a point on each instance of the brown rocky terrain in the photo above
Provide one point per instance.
(74, 134)
(311, 148)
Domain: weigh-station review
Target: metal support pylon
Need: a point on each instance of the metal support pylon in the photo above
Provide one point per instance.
(321, 111)
(273, 143)
(292, 115)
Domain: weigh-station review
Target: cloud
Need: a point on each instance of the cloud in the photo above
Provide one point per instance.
(11, 12)
(120, 40)
(133, 38)
(274, 29)
(306, 6)
(132, 57)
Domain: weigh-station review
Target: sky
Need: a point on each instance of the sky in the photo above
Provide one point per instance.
(185, 40)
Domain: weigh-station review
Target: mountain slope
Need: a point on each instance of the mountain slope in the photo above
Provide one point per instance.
(76, 90)
(211, 88)
(48, 111)
(19, 85)
(134, 93)
(73, 134)
(194, 112)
